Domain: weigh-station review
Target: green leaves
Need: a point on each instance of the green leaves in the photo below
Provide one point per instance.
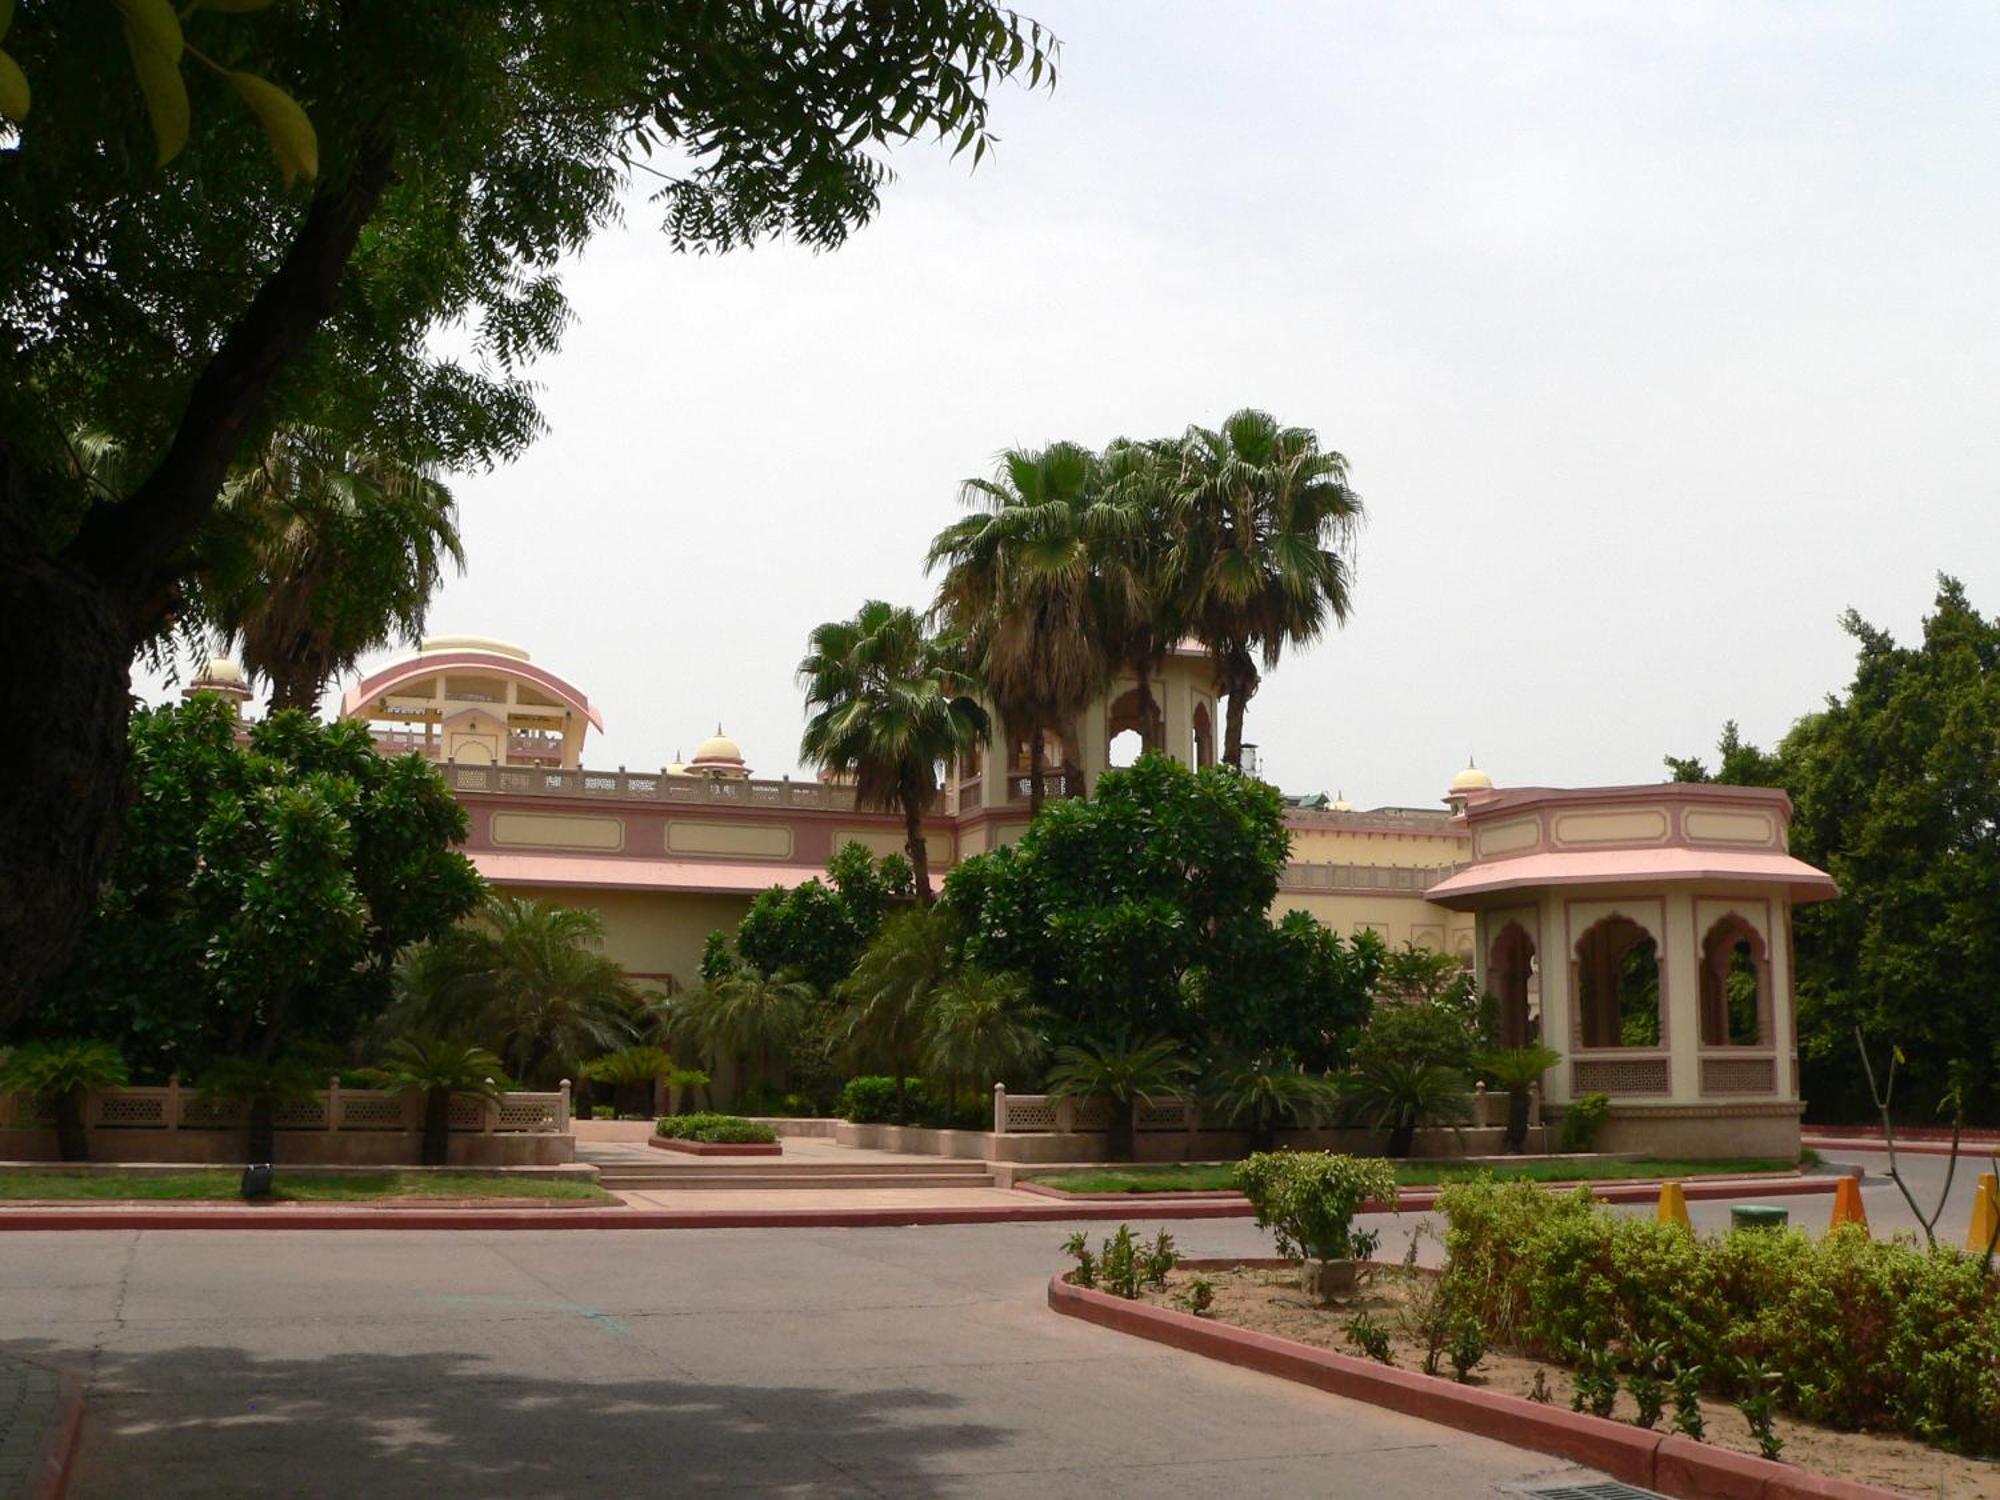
(153, 37)
(292, 135)
(13, 82)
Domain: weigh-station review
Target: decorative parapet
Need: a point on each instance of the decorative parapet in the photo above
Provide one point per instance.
(1410, 879)
(646, 786)
(174, 1107)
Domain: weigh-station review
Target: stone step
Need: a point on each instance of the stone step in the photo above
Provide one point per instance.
(615, 1179)
(664, 1165)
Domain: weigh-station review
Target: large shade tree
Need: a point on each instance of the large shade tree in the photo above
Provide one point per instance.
(889, 703)
(459, 151)
(1264, 542)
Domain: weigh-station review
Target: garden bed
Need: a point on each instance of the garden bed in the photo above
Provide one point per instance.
(431, 1189)
(1264, 1297)
(1219, 1177)
(718, 1148)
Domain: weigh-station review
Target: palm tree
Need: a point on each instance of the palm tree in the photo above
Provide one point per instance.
(64, 1071)
(525, 979)
(1266, 1090)
(1265, 542)
(1516, 1069)
(325, 550)
(1025, 587)
(746, 1015)
(1146, 612)
(982, 1025)
(439, 1068)
(1401, 1094)
(889, 994)
(887, 704)
(1125, 1075)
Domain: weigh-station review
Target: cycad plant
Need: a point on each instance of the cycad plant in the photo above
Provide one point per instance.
(1125, 1074)
(1261, 1093)
(631, 1069)
(438, 1068)
(1516, 1070)
(64, 1071)
(1401, 1095)
(263, 1083)
(982, 1026)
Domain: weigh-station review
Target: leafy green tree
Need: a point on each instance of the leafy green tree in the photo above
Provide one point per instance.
(1896, 789)
(1267, 530)
(261, 892)
(1296, 987)
(818, 929)
(887, 704)
(64, 1071)
(1029, 585)
(1125, 1074)
(456, 158)
(888, 997)
(525, 978)
(1117, 906)
(439, 1068)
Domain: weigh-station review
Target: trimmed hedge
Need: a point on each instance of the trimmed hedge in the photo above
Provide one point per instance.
(1859, 1332)
(715, 1129)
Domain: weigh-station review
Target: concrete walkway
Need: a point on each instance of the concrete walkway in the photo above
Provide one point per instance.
(918, 1362)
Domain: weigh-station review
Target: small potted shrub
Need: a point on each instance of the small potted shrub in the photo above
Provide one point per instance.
(1308, 1199)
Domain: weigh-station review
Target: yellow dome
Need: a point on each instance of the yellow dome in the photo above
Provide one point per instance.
(718, 747)
(433, 645)
(221, 672)
(1472, 779)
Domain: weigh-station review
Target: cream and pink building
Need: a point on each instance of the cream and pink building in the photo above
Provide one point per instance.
(1644, 931)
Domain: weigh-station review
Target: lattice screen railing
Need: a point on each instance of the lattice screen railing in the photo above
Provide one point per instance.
(184, 1108)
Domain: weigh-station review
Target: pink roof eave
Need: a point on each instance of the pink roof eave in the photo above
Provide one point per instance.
(615, 872)
(1663, 866)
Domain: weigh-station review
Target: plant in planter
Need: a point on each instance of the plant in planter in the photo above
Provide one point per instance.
(1308, 1199)
(1263, 1092)
(1402, 1095)
(263, 1083)
(64, 1071)
(1517, 1070)
(715, 1129)
(438, 1068)
(1126, 1075)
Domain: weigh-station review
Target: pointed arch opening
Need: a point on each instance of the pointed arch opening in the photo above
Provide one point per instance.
(1510, 971)
(1618, 987)
(1735, 985)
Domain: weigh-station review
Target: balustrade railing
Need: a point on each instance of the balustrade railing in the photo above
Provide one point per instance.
(1306, 876)
(646, 786)
(177, 1106)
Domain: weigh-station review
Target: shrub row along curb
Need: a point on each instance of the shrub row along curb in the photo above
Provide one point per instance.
(1636, 1191)
(1672, 1465)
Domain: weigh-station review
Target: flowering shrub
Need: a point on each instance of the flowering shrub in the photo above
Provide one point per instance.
(1308, 1199)
(1847, 1330)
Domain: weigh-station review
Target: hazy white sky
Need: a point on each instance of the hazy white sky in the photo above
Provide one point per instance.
(1655, 337)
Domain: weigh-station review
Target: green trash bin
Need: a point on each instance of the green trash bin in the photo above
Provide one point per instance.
(1758, 1216)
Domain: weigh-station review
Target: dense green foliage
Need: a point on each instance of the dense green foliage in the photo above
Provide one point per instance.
(1856, 1332)
(715, 1129)
(1308, 1200)
(439, 1068)
(1582, 1119)
(816, 931)
(1146, 907)
(261, 891)
(1896, 786)
(62, 1071)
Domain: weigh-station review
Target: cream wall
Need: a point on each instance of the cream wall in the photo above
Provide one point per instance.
(1397, 919)
(1340, 846)
(653, 934)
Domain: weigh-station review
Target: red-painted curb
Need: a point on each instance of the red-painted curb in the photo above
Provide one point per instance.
(582, 1217)
(1969, 1150)
(48, 1472)
(1636, 1190)
(717, 1148)
(1672, 1465)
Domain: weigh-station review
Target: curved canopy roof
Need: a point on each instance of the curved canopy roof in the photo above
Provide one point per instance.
(388, 680)
(1673, 865)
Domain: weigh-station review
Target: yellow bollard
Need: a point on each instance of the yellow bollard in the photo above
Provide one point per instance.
(1847, 1207)
(1674, 1206)
(1985, 1209)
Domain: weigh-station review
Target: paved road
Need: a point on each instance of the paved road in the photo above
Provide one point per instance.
(902, 1362)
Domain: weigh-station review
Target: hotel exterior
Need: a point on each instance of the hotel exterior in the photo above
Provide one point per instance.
(1644, 932)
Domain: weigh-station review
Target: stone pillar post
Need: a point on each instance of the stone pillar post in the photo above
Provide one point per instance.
(999, 1109)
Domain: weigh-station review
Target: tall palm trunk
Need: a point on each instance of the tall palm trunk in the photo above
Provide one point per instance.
(1236, 675)
(1036, 760)
(918, 850)
(296, 688)
(1151, 728)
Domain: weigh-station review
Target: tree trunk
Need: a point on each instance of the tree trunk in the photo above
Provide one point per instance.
(1517, 1119)
(295, 690)
(918, 850)
(1402, 1136)
(1236, 675)
(1072, 770)
(1035, 761)
(437, 1127)
(263, 1130)
(1122, 1133)
(1264, 1130)
(72, 1144)
(1152, 729)
(902, 1095)
(71, 622)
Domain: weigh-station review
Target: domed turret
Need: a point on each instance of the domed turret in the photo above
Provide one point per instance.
(719, 757)
(1466, 786)
(222, 677)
